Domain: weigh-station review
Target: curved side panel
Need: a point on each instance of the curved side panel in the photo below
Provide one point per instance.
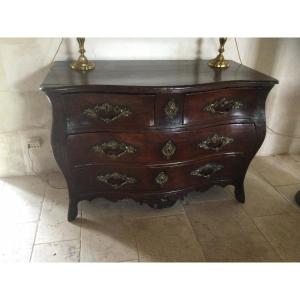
(58, 138)
(163, 196)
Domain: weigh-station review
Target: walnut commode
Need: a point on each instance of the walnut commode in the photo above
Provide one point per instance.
(155, 130)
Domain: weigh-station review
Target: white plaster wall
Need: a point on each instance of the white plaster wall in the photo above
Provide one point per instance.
(25, 112)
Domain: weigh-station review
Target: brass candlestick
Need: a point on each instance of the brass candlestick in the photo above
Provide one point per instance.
(219, 62)
(82, 63)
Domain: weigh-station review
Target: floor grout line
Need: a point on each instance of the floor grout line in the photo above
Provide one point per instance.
(194, 233)
(21, 223)
(281, 185)
(283, 197)
(54, 242)
(153, 217)
(124, 261)
(182, 213)
(272, 215)
(265, 237)
(134, 237)
(80, 236)
(286, 200)
(268, 181)
(137, 248)
(38, 222)
(263, 177)
(294, 205)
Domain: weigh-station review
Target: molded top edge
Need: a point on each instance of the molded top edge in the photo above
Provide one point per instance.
(155, 74)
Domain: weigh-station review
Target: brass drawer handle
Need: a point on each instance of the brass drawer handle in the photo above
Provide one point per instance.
(171, 109)
(116, 180)
(215, 143)
(114, 149)
(222, 106)
(207, 170)
(107, 112)
(161, 178)
(168, 149)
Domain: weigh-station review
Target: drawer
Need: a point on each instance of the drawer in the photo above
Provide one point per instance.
(169, 110)
(159, 147)
(156, 179)
(220, 105)
(92, 111)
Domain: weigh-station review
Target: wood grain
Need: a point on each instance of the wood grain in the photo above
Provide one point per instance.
(146, 88)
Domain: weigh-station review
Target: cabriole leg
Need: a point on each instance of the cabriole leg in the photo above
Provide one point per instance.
(73, 210)
(239, 191)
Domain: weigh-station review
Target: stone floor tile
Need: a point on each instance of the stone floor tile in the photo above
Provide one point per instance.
(57, 180)
(100, 208)
(215, 193)
(53, 225)
(107, 240)
(16, 242)
(105, 237)
(130, 261)
(65, 251)
(222, 229)
(21, 199)
(295, 157)
(49, 233)
(166, 239)
(244, 249)
(213, 220)
(262, 198)
(55, 206)
(283, 232)
(226, 233)
(278, 170)
(132, 209)
(289, 192)
(127, 208)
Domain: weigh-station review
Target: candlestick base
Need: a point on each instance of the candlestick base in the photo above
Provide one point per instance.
(219, 62)
(82, 63)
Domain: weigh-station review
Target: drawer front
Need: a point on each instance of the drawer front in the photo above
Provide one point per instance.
(155, 179)
(159, 147)
(86, 111)
(169, 110)
(220, 105)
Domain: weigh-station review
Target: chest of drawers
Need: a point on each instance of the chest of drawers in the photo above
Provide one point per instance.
(154, 131)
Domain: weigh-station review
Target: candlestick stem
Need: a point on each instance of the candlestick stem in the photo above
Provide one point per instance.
(219, 62)
(82, 63)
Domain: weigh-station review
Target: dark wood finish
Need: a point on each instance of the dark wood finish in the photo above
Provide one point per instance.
(115, 128)
(154, 75)
(197, 105)
(140, 107)
(179, 176)
(297, 198)
(163, 103)
(148, 145)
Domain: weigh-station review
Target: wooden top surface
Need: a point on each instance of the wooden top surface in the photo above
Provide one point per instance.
(151, 73)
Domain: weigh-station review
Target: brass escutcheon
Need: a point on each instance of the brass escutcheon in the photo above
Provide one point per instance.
(207, 170)
(168, 149)
(107, 112)
(222, 106)
(113, 178)
(161, 178)
(171, 109)
(215, 143)
(114, 149)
